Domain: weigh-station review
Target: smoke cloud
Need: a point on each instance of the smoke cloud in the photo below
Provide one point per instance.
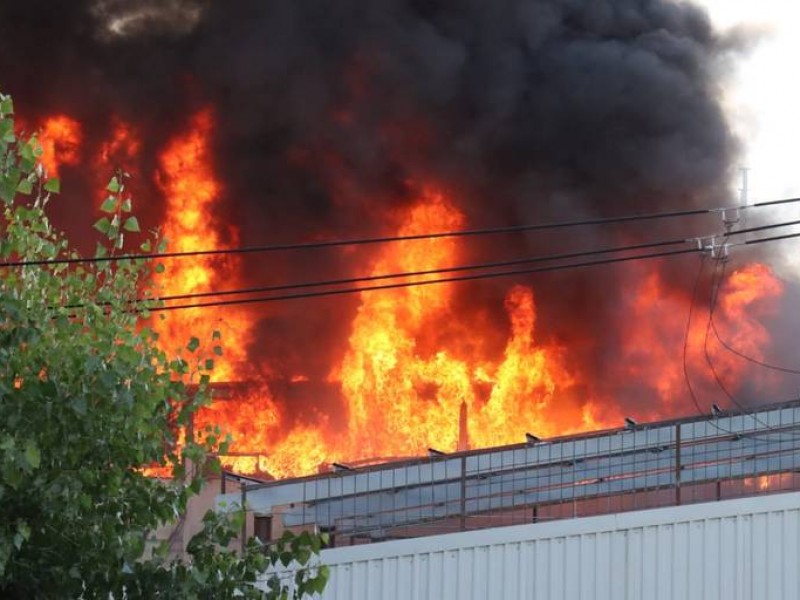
(126, 18)
(332, 114)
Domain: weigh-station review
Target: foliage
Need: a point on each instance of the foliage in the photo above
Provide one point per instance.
(216, 571)
(86, 399)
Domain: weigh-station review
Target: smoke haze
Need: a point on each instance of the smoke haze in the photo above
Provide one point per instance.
(331, 115)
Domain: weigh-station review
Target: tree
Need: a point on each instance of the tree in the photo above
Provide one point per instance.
(86, 400)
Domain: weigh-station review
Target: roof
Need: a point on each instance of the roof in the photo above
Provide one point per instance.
(637, 466)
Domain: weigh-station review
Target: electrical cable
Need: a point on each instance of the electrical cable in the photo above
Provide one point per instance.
(509, 273)
(406, 284)
(443, 270)
(686, 340)
(733, 350)
(744, 356)
(716, 286)
(336, 292)
(689, 385)
(478, 266)
(396, 238)
(519, 261)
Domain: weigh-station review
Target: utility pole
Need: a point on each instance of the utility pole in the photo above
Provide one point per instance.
(744, 194)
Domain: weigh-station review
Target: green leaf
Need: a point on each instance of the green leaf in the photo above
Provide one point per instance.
(109, 205)
(7, 131)
(114, 186)
(131, 224)
(209, 364)
(33, 455)
(25, 187)
(53, 185)
(6, 106)
(126, 205)
(193, 344)
(103, 225)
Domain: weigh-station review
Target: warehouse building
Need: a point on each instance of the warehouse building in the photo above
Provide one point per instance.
(700, 507)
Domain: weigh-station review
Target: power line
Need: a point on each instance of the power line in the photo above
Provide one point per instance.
(441, 271)
(510, 273)
(406, 284)
(746, 357)
(686, 338)
(750, 412)
(713, 326)
(397, 238)
(715, 289)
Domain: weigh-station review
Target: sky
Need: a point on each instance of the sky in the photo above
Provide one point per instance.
(763, 94)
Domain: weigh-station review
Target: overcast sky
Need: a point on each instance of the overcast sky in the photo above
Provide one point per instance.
(764, 96)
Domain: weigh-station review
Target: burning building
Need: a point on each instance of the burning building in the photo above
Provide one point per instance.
(263, 122)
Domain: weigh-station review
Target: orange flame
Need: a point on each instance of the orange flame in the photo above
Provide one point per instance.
(749, 292)
(191, 191)
(60, 138)
(412, 359)
(405, 393)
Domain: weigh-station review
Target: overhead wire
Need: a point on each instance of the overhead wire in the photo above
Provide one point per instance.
(443, 270)
(422, 273)
(396, 238)
(491, 275)
(716, 285)
(750, 412)
(737, 352)
(428, 272)
(406, 284)
(746, 357)
(692, 303)
(545, 269)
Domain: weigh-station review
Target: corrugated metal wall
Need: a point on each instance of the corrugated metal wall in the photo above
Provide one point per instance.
(730, 550)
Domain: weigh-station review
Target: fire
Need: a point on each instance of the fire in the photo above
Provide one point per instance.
(404, 388)
(653, 346)
(416, 373)
(60, 138)
(191, 190)
(749, 292)
(122, 147)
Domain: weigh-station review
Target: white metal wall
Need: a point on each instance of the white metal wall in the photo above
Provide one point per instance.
(731, 550)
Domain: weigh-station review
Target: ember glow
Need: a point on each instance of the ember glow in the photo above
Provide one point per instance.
(60, 139)
(272, 127)
(411, 360)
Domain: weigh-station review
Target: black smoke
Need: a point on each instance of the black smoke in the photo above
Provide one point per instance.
(331, 113)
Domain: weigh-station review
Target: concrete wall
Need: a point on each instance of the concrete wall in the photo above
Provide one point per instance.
(731, 550)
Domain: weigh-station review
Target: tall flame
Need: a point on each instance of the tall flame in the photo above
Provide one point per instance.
(416, 372)
(191, 190)
(405, 387)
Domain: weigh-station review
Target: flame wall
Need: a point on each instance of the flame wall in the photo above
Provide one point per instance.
(264, 122)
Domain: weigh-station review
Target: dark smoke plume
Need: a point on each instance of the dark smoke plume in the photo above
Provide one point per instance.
(330, 113)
